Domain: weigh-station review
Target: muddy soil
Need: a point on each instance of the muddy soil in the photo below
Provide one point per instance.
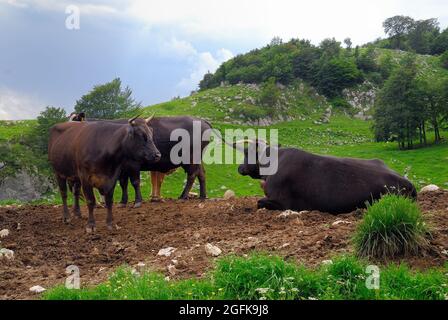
(43, 246)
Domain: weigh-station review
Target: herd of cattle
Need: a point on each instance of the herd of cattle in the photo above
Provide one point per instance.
(88, 154)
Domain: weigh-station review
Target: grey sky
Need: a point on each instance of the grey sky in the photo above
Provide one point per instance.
(161, 49)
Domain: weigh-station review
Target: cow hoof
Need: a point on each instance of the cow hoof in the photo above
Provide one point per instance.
(90, 229)
(110, 228)
(137, 205)
(121, 205)
(156, 199)
(77, 214)
(66, 220)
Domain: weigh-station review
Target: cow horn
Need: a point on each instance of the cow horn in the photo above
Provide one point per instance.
(131, 121)
(242, 141)
(148, 120)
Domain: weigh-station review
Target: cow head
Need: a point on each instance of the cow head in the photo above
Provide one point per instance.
(260, 159)
(77, 116)
(140, 144)
(250, 166)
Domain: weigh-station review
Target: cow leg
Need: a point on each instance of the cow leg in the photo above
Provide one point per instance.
(191, 175)
(135, 181)
(62, 183)
(109, 203)
(156, 178)
(269, 204)
(202, 187)
(76, 194)
(90, 199)
(124, 191)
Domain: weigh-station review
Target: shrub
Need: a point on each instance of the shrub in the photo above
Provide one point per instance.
(392, 226)
(444, 60)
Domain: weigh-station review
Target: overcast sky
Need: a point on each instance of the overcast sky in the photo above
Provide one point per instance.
(161, 49)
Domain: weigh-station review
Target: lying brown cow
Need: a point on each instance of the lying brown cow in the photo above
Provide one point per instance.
(90, 155)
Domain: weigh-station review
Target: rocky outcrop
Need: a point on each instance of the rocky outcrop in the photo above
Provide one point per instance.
(24, 186)
(362, 99)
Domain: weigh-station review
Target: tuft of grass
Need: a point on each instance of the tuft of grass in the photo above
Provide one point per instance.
(261, 277)
(392, 227)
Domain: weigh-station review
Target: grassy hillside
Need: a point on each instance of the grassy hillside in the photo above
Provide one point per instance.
(296, 116)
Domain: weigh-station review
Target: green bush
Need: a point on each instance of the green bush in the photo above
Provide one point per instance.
(444, 59)
(392, 227)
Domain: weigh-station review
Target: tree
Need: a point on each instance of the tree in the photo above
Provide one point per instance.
(330, 48)
(335, 75)
(435, 99)
(444, 59)
(108, 101)
(396, 27)
(206, 82)
(422, 35)
(440, 43)
(270, 93)
(348, 43)
(47, 118)
(366, 60)
(398, 110)
(276, 41)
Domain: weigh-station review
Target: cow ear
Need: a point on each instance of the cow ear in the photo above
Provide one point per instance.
(82, 116)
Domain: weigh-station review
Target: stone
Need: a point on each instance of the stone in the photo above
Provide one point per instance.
(327, 262)
(7, 254)
(288, 213)
(212, 250)
(338, 222)
(166, 251)
(229, 194)
(172, 269)
(24, 186)
(4, 233)
(430, 188)
(37, 289)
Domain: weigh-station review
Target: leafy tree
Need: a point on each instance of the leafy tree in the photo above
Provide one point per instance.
(422, 35)
(398, 111)
(108, 101)
(348, 43)
(270, 93)
(440, 43)
(330, 48)
(366, 61)
(206, 82)
(435, 98)
(337, 74)
(396, 27)
(276, 41)
(304, 63)
(47, 118)
(444, 59)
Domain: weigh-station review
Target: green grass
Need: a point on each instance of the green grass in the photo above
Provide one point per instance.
(260, 276)
(391, 227)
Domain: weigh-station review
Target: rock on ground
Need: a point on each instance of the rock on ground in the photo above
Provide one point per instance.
(166, 251)
(212, 250)
(229, 194)
(430, 188)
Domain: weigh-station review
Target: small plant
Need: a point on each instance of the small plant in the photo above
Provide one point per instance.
(392, 226)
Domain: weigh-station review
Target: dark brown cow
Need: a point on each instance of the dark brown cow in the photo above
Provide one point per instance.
(163, 127)
(305, 181)
(91, 154)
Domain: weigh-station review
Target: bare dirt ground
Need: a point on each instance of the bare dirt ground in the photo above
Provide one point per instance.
(43, 246)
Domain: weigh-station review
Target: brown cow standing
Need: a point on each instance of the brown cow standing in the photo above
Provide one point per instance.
(90, 155)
